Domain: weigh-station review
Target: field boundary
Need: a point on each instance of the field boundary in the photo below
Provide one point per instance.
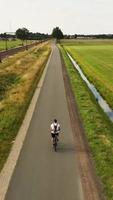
(7, 171)
(90, 182)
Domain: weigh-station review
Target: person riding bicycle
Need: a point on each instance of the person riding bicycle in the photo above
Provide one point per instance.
(55, 129)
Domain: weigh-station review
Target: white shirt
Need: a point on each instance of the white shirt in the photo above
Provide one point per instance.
(52, 127)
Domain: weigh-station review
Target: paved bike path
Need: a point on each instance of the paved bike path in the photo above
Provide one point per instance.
(41, 173)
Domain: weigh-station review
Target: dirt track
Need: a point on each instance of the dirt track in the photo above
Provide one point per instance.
(4, 54)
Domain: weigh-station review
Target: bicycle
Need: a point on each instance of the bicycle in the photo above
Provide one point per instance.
(55, 141)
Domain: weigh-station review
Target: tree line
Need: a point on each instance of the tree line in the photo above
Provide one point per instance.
(25, 34)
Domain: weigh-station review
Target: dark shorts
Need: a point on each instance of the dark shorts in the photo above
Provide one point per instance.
(53, 135)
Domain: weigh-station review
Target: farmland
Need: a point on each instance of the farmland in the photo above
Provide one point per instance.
(11, 44)
(95, 58)
(19, 76)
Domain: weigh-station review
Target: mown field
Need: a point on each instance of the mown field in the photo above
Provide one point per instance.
(96, 60)
(11, 44)
(98, 128)
(19, 76)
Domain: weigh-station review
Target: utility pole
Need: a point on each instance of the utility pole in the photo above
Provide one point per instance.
(0, 58)
(26, 44)
(6, 39)
(6, 47)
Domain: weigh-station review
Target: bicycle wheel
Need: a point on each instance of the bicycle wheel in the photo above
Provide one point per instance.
(55, 143)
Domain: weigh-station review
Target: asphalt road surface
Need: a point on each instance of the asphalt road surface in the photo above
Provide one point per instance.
(41, 173)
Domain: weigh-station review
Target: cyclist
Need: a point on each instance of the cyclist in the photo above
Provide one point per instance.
(55, 129)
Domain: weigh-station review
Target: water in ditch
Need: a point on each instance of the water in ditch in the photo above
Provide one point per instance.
(103, 104)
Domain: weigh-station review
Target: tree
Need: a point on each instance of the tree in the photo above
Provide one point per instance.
(75, 36)
(22, 33)
(57, 33)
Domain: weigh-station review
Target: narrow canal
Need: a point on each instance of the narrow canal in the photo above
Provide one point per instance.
(103, 104)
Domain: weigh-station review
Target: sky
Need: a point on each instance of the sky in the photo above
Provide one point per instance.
(72, 16)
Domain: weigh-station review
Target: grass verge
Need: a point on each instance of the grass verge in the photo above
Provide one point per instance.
(97, 127)
(19, 76)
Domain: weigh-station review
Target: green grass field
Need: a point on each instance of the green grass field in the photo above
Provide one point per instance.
(86, 42)
(98, 128)
(11, 44)
(96, 60)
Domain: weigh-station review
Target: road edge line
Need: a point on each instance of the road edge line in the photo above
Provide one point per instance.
(8, 169)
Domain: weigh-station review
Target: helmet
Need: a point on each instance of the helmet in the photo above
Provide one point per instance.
(55, 120)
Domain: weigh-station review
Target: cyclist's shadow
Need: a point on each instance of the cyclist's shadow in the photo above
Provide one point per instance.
(66, 148)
